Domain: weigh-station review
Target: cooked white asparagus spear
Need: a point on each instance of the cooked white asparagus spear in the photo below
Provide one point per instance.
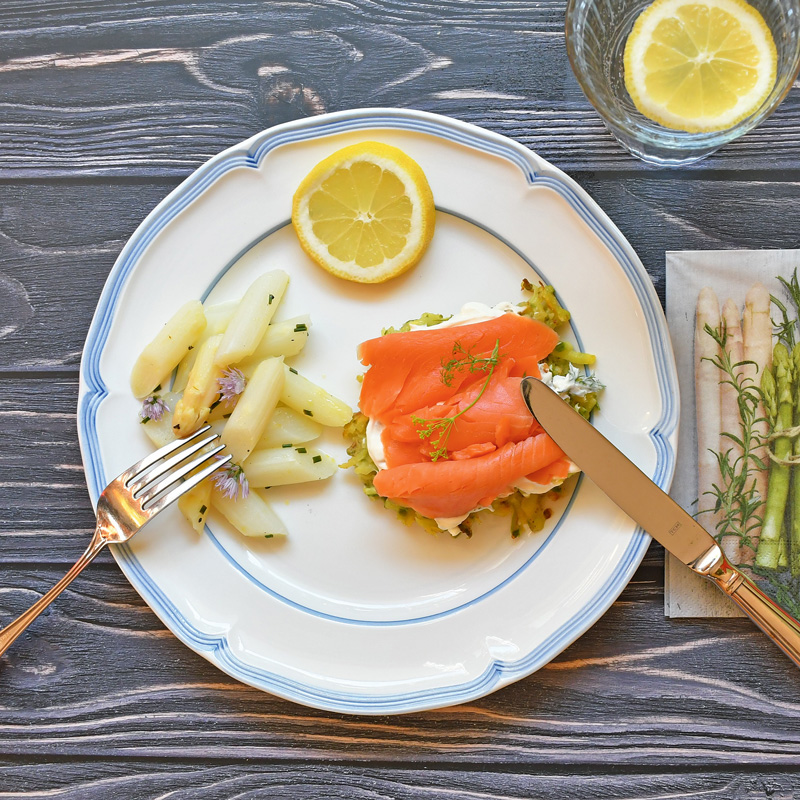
(160, 431)
(217, 319)
(252, 317)
(195, 504)
(280, 466)
(253, 409)
(285, 338)
(730, 420)
(201, 390)
(171, 344)
(306, 397)
(757, 336)
(286, 426)
(707, 403)
(251, 515)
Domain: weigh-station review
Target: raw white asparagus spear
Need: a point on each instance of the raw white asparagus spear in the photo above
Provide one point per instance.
(252, 317)
(251, 515)
(164, 353)
(707, 403)
(253, 409)
(730, 420)
(757, 336)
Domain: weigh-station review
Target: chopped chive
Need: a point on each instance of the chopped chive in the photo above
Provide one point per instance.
(271, 298)
(301, 326)
(292, 369)
(317, 459)
(226, 416)
(158, 388)
(191, 347)
(269, 535)
(287, 445)
(214, 404)
(308, 413)
(145, 420)
(301, 450)
(203, 509)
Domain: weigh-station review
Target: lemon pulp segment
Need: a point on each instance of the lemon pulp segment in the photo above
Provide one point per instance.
(365, 213)
(699, 65)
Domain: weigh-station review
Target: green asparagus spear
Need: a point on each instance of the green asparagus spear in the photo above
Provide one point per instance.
(794, 531)
(778, 402)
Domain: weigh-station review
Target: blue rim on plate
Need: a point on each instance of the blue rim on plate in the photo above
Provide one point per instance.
(537, 173)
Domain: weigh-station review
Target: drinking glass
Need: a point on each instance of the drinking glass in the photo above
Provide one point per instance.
(596, 32)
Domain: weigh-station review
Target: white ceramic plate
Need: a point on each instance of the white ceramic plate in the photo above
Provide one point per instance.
(355, 611)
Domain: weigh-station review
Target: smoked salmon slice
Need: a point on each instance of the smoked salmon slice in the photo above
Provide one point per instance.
(499, 416)
(405, 368)
(452, 488)
(491, 440)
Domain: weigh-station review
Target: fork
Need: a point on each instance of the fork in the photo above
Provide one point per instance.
(128, 503)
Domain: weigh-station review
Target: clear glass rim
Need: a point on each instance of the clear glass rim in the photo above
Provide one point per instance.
(710, 139)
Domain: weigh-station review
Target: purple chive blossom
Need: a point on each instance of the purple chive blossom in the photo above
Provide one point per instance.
(230, 480)
(231, 384)
(153, 407)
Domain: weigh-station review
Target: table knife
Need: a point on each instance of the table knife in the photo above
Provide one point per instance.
(656, 512)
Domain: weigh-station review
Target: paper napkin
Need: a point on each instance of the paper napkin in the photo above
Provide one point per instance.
(731, 274)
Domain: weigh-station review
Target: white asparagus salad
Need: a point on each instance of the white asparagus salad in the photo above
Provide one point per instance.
(228, 363)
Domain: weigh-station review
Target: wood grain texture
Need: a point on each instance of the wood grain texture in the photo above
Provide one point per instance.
(154, 88)
(105, 105)
(635, 690)
(132, 780)
(59, 240)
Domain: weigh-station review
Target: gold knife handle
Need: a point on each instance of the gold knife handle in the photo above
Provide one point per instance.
(783, 629)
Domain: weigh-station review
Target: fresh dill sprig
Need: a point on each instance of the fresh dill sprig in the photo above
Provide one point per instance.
(465, 360)
(442, 428)
(736, 499)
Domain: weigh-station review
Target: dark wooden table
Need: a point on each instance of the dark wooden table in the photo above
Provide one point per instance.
(105, 106)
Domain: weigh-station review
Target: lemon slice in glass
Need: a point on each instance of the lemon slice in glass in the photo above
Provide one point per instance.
(699, 65)
(365, 213)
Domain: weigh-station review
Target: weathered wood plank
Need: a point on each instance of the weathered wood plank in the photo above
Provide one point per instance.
(45, 509)
(147, 781)
(57, 245)
(635, 690)
(59, 240)
(79, 84)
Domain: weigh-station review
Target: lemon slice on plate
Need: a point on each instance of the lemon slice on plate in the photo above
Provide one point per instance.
(365, 213)
(699, 65)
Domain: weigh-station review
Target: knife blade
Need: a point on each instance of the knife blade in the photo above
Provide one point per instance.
(655, 511)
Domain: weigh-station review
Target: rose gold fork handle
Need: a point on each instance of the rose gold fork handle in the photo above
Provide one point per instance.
(10, 633)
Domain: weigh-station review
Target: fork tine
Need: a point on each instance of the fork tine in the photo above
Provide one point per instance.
(174, 494)
(140, 482)
(148, 461)
(154, 489)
